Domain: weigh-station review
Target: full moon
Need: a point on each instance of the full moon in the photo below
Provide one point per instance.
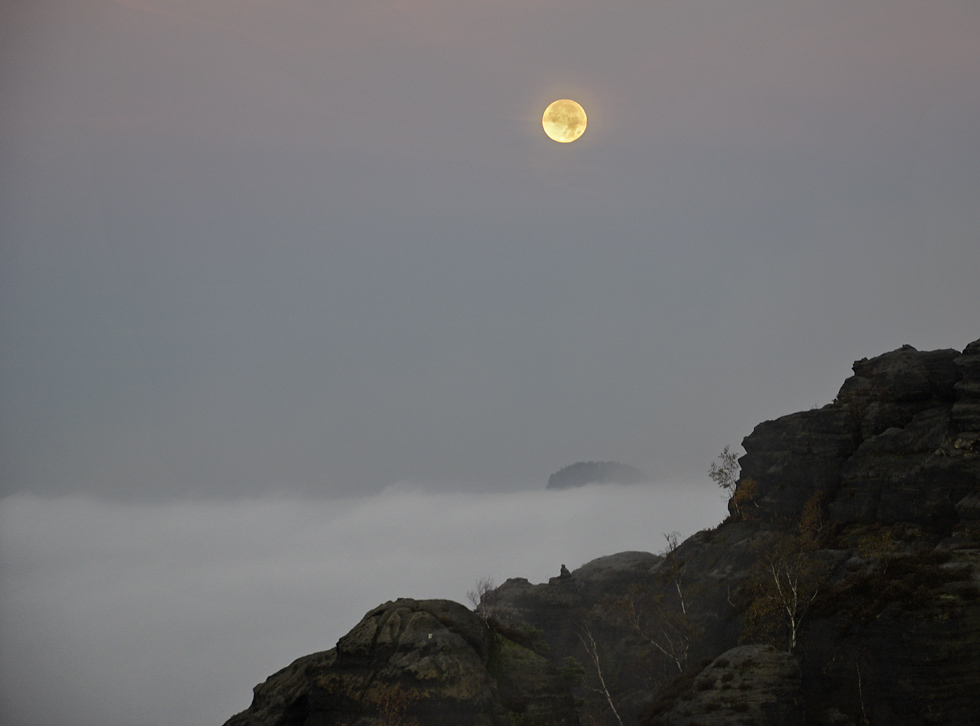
(564, 121)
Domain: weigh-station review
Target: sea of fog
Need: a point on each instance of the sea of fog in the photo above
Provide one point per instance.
(118, 614)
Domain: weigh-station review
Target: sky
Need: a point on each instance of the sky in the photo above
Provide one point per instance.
(318, 252)
(327, 247)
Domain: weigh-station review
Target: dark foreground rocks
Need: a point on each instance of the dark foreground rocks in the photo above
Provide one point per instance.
(868, 509)
(415, 661)
(751, 685)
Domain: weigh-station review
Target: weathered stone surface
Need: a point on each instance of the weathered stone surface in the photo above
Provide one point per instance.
(796, 456)
(968, 509)
(902, 376)
(896, 475)
(283, 699)
(904, 648)
(529, 686)
(754, 685)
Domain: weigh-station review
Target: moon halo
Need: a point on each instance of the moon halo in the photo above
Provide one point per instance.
(564, 121)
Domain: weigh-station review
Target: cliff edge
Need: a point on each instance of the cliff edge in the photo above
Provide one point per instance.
(843, 589)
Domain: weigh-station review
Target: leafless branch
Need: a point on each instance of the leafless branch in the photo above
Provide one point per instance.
(484, 599)
(593, 652)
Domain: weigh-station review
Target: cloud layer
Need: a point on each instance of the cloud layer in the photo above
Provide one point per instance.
(169, 613)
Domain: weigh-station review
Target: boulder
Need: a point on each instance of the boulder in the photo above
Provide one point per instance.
(431, 661)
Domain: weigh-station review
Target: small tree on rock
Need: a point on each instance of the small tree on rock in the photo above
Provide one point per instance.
(725, 473)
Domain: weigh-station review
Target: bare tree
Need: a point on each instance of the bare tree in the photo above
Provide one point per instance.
(859, 657)
(788, 576)
(791, 585)
(669, 628)
(484, 599)
(674, 567)
(669, 633)
(592, 650)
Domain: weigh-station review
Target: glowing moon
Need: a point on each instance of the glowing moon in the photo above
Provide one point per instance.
(564, 121)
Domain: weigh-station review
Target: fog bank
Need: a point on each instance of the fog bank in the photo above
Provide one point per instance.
(114, 614)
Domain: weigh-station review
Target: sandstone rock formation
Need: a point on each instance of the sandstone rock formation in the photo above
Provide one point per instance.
(421, 661)
(897, 445)
(869, 507)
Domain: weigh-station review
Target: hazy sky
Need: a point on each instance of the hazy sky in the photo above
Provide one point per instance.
(326, 246)
(254, 251)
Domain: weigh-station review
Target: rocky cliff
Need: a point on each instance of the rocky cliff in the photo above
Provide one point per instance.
(843, 589)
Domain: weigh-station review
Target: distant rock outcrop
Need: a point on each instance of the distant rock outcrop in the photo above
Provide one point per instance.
(594, 472)
(869, 507)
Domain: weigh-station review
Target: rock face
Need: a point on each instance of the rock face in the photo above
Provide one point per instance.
(751, 685)
(594, 472)
(899, 444)
(868, 508)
